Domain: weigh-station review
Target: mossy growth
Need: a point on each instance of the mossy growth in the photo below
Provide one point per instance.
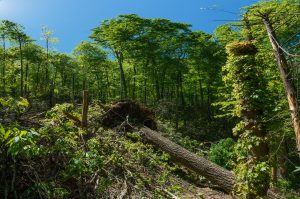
(241, 48)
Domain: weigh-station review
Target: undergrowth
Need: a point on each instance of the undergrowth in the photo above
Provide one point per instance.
(61, 160)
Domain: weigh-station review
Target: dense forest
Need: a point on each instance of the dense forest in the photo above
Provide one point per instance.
(149, 108)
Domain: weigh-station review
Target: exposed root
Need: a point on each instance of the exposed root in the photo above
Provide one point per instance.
(127, 110)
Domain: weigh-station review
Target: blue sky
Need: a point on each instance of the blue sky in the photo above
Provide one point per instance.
(72, 20)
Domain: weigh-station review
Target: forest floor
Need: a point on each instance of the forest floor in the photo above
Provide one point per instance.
(192, 191)
(187, 189)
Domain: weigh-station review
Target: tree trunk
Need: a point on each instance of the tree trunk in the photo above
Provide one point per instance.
(37, 80)
(21, 73)
(201, 93)
(99, 90)
(47, 65)
(4, 64)
(145, 80)
(162, 90)
(157, 88)
(85, 106)
(51, 94)
(286, 77)
(107, 93)
(26, 79)
(213, 172)
(283, 170)
(123, 87)
(73, 88)
(134, 83)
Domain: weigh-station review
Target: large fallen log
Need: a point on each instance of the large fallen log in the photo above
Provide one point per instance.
(213, 172)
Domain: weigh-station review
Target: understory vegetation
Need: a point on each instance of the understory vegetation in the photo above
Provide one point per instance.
(230, 97)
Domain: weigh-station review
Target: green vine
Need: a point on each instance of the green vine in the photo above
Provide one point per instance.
(249, 94)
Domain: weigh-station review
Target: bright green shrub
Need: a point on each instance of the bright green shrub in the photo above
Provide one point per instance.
(222, 153)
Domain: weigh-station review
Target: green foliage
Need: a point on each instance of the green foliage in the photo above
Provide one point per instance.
(251, 180)
(249, 93)
(21, 140)
(64, 159)
(185, 141)
(222, 153)
(10, 105)
(166, 65)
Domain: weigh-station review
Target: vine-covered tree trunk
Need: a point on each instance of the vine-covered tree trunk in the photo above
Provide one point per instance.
(249, 94)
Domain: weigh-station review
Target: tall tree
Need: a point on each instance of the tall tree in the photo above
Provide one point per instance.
(286, 30)
(18, 35)
(91, 59)
(47, 36)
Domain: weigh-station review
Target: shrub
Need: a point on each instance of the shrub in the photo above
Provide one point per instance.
(222, 153)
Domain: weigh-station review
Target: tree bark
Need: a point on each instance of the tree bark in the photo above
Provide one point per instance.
(85, 106)
(73, 88)
(286, 77)
(4, 64)
(134, 82)
(26, 79)
(21, 70)
(123, 86)
(213, 172)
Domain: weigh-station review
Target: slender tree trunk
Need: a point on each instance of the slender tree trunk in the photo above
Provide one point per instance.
(26, 78)
(209, 111)
(73, 88)
(196, 94)
(274, 172)
(134, 83)
(145, 90)
(85, 106)
(47, 67)
(145, 81)
(52, 96)
(84, 83)
(177, 102)
(201, 93)
(21, 72)
(162, 90)
(37, 78)
(286, 77)
(200, 88)
(283, 160)
(4, 64)
(123, 86)
(181, 90)
(107, 85)
(157, 88)
(99, 88)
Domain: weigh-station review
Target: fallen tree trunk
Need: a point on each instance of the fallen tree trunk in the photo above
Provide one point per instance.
(213, 172)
